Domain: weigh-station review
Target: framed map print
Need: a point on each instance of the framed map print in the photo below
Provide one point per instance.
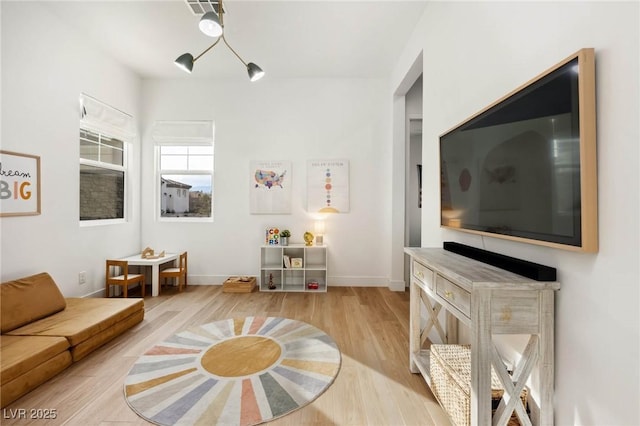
(270, 187)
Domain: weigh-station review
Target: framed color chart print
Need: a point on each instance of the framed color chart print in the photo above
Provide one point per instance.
(19, 184)
(328, 186)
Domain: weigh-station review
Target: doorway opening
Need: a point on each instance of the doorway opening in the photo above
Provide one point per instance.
(407, 118)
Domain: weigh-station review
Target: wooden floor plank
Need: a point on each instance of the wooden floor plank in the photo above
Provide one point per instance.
(370, 326)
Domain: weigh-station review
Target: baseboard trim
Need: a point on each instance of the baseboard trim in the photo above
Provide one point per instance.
(96, 293)
(207, 279)
(334, 281)
(354, 281)
(397, 285)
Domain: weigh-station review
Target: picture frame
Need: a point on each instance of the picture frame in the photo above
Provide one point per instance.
(270, 187)
(296, 262)
(328, 186)
(19, 184)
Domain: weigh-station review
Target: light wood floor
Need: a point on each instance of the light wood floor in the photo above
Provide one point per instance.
(370, 326)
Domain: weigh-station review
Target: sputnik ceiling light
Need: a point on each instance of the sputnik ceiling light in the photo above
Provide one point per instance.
(212, 24)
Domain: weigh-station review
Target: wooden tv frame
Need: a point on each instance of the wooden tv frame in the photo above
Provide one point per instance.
(588, 156)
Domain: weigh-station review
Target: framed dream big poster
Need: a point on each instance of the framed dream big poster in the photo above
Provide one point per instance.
(19, 184)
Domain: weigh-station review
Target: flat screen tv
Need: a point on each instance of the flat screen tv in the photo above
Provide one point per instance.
(524, 168)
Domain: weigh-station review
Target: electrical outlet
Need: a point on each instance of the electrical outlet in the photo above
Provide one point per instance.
(82, 278)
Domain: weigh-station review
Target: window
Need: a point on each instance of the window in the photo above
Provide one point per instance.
(102, 176)
(185, 170)
(186, 173)
(105, 134)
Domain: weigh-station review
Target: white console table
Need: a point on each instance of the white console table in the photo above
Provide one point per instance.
(490, 301)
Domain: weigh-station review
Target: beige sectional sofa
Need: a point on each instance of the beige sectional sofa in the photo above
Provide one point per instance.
(42, 332)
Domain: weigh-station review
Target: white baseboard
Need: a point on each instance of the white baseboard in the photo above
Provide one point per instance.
(334, 281)
(397, 285)
(96, 293)
(207, 279)
(355, 281)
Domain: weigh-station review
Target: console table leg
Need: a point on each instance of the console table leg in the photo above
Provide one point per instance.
(481, 358)
(414, 325)
(546, 363)
(452, 328)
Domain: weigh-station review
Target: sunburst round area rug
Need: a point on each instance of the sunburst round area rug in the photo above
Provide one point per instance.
(232, 372)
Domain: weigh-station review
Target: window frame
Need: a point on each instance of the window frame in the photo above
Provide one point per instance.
(181, 133)
(196, 172)
(107, 166)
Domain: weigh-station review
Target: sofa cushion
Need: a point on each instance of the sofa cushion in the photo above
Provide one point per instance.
(86, 347)
(21, 354)
(28, 299)
(82, 318)
(28, 361)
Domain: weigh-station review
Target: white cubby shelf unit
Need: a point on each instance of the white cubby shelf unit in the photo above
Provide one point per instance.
(284, 276)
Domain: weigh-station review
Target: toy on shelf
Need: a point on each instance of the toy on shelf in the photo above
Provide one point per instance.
(148, 253)
(272, 286)
(272, 237)
(308, 238)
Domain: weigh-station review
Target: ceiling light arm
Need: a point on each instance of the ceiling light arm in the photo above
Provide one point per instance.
(207, 49)
(234, 52)
(221, 13)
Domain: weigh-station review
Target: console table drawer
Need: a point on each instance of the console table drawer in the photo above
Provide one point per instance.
(423, 274)
(457, 296)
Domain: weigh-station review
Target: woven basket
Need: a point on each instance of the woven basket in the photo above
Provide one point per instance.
(239, 285)
(451, 382)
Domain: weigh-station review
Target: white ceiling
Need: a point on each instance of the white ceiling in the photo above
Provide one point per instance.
(288, 39)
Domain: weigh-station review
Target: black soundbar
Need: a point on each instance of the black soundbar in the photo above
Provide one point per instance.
(532, 270)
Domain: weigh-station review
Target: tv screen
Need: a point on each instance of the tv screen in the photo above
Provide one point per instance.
(517, 170)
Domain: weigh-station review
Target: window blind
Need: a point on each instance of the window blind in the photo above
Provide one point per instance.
(102, 118)
(191, 132)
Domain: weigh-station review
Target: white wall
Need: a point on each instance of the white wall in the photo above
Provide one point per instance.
(293, 120)
(274, 119)
(43, 74)
(474, 53)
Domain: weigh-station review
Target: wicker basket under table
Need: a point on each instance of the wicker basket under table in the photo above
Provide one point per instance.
(451, 382)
